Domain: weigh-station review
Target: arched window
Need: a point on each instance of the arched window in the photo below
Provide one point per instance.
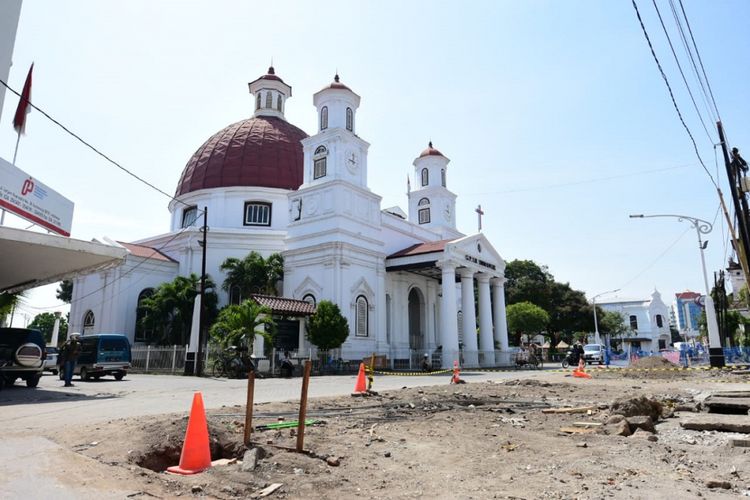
(460, 318)
(442, 176)
(425, 176)
(269, 100)
(235, 295)
(320, 162)
(659, 321)
(310, 299)
(349, 119)
(188, 216)
(142, 333)
(257, 100)
(324, 118)
(424, 213)
(361, 321)
(88, 322)
(278, 104)
(633, 322)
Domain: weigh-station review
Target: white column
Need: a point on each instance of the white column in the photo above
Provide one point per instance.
(469, 317)
(486, 344)
(501, 321)
(55, 330)
(448, 318)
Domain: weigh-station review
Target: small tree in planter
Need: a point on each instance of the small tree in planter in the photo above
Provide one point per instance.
(327, 328)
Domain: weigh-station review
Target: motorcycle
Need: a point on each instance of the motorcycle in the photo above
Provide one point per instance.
(571, 359)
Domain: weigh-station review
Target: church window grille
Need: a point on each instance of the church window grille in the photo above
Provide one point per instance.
(349, 119)
(442, 176)
(89, 321)
(320, 150)
(659, 321)
(278, 104)
(361, 322)
(257, 101)
(423, 202)
(320, 162)
(188, 216)
(257, 213)
(424, 215)
(142, 333)
(310, 299)
(269, 100)
(460, 317)
(324, 118)
(425, 176)
(633, 322)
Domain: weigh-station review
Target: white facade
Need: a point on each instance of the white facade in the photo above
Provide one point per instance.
(648, 321)
(400, 283)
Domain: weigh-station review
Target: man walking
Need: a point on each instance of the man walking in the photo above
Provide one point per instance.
(68, 356)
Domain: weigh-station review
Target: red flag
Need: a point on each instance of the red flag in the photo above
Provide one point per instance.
(19, 121)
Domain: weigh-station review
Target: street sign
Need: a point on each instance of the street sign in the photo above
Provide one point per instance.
(29, 198)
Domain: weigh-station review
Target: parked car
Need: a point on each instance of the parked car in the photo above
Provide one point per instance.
(103, 354)
(50, 363)
(22, 356)
(594, 353)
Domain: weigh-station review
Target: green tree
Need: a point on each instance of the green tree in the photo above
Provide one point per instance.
(45, 323)
(169, 311)
(236, 324)
(525, 318)
(8, 301)
(527, 282)
(327, 328)
(65, 291)
(612, 323)
(253, 274)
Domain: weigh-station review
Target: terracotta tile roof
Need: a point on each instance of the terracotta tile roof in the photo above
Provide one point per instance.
(420, 248)
(284, 305)
(430, 151)
(146, 252)
(687, 295)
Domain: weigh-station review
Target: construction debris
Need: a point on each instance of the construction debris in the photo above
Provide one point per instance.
(579, 409)
(717, 422)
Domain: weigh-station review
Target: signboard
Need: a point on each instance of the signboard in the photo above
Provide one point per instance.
(26, 197)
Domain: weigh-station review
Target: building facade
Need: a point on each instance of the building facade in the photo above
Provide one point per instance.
(647, 321)
(405, 283)
(688, 307)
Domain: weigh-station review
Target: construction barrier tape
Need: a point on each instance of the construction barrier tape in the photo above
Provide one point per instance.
(565, 370)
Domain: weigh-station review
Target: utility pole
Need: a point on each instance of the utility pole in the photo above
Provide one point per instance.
(740, 208)
(201, 322)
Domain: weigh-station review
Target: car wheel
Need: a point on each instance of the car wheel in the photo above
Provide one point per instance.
(84, 374)
(10, 381)
(54, 372)
(33, 381)
(119, 375)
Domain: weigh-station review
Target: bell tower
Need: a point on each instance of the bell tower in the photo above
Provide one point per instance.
(431, 204)
(270, 94)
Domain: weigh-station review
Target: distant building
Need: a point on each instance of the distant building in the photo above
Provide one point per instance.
(687, 309)
(736, 277)
(647, 319)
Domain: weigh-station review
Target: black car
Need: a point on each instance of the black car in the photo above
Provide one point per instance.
(22, 355)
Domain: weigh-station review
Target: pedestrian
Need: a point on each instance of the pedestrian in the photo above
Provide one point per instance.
(68, 357)
(287, 367)
(426, 365)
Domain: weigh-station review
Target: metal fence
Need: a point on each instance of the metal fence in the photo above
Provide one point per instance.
(158, 359)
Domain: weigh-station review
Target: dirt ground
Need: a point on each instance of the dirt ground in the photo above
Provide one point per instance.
(475, 440)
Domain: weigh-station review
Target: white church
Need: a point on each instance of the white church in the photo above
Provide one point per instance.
(405, 283)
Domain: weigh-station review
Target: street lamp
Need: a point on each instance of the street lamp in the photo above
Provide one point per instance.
(597, 338)
(715, 352)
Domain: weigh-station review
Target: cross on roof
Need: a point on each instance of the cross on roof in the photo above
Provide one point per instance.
(480, 213)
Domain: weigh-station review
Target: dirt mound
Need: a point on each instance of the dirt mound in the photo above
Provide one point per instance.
(653, 362)
(633, 407)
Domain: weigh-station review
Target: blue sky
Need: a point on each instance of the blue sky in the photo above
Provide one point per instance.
(553, 114)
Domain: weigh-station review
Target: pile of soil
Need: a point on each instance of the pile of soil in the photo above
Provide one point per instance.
(652, 362)
(478, 440)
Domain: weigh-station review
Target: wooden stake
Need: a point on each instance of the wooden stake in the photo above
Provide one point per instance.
(249, 406)
(303, 407)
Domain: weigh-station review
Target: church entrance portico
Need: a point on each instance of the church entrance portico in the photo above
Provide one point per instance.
(416, 320)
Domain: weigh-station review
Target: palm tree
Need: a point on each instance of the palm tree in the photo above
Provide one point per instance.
(8, 302)
(169, 311)
(236, 324)
(253, 274)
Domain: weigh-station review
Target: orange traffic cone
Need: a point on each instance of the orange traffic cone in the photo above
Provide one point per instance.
(581, 374)
(456, 379)
(196, 454)
(361, 386)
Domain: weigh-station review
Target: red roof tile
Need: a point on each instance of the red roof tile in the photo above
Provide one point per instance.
(687, 295)
(421, 248)
(430, 151)
(337, 85)
(284, 305)
(146, 252)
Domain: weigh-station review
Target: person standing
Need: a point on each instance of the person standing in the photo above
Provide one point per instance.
(68, 357)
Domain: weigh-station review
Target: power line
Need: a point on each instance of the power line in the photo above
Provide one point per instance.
(679, 66)
(671, 94)
(94, 149)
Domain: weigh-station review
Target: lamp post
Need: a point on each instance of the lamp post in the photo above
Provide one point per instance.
(597, 338)
(715, 352)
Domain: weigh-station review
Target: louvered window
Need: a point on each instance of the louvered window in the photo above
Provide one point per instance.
(361, 317)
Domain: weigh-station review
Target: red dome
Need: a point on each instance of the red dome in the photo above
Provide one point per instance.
(264, 151)
(430, 151)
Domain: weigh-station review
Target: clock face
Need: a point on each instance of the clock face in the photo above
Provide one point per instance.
(352, 160)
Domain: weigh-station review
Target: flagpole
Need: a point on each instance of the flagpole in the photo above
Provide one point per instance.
(15, 153)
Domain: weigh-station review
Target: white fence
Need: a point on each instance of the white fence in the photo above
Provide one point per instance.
(160, 359)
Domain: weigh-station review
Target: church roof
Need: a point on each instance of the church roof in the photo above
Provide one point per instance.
(336, 84)
(283, 305)
(687, 295)
(430, 151)
(146, 252)
(271, 75)
(263, 151)
(421, 248)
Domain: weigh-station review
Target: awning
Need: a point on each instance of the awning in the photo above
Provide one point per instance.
(31, 259)
(562, 345)
(285, 306)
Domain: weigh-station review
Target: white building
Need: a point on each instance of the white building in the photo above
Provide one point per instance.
(404, 282)
(648, 321)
